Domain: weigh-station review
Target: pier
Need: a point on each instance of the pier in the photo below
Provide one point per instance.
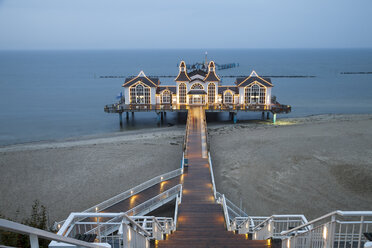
(201, 220)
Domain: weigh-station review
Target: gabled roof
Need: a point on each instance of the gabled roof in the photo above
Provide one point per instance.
(197, 92)
(245, 81)
(211, 76)
(171, 88)
(197, 72)
(234, 89)
(182, 75)
(151, 82)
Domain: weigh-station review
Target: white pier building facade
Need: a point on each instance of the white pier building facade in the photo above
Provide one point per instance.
(198, 87)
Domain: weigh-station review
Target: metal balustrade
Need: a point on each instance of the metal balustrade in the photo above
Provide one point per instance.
(212, 175)
(35, 234)
(339, 229)
(273, 226)
(156, 201)
(217, 107)
(125, 195)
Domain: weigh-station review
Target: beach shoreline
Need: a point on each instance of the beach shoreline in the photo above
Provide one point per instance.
(77, 173)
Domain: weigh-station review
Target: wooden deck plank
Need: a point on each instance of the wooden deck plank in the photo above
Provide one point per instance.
(201, 221)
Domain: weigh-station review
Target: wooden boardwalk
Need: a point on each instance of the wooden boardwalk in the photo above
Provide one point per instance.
(201, 221)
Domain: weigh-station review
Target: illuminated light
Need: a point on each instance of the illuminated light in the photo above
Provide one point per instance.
(96, 209)
(246, 225)
(255, 235)
(161, 178)
(325, 232)
(129, 235)
(269, 242)
(131, 192)
(269, 227)
(59, 226)
(246, 236)
(288, 243)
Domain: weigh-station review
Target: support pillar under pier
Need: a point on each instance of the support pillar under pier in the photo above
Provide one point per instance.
(127, 115)
(235, 119)
(158, 118)
(132, 114)
(274, 118)
(263, 116)
(121, 119)
(162, 116)
(268, 116)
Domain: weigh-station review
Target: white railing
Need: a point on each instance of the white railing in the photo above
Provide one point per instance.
(341, 229)
(234, 211)
(245, 225)
(178, 202)
(212, 175)
(78, 222)
(273, 226)
(35, 234)
(125, 195)
(222, 201)
(156, 201)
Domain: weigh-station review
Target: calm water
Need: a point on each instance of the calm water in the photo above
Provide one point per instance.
(48, 95)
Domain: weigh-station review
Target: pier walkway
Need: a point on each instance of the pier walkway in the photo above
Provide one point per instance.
(201, 220)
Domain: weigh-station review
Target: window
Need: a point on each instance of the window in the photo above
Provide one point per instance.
(182, 93)
(254, 94)
(197, 86)
(139, 94)
(140, 98)
(211, 93)
(228, 97)
(165, 96)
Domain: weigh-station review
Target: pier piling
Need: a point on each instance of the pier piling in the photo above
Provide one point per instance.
(263, 116)
(127, 115)
(235, 119)
(121, 119)
(268, 116)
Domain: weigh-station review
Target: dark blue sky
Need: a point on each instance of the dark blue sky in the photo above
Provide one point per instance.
(120, 24)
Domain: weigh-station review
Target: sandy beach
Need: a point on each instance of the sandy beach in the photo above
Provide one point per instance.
(309, 165)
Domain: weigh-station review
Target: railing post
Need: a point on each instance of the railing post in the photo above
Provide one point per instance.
(34, 241)
(360, 231)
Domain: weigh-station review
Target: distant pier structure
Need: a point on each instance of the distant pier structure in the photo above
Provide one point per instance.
(198, 87)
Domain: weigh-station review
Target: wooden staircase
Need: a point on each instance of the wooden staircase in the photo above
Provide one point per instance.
(201, 221)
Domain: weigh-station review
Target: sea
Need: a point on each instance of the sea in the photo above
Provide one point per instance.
(54, 95)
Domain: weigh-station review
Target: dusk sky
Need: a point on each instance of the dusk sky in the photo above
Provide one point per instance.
(119, 24)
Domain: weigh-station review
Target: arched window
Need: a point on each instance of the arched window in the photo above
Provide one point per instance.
(255, 94)
(182, 93)
(139, 94)
(211, 93)
(165, 97)
(228, 97)
(197, 86)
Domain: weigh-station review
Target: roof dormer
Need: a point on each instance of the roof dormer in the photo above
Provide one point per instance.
(211, 76)
(182, 74)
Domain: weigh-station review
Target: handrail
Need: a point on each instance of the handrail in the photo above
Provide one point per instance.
(338, 212)
(34, 233)
(157, 198)
(72, 216)
(259, 225)
(226, 213)
(212, 174)
(135, 190)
